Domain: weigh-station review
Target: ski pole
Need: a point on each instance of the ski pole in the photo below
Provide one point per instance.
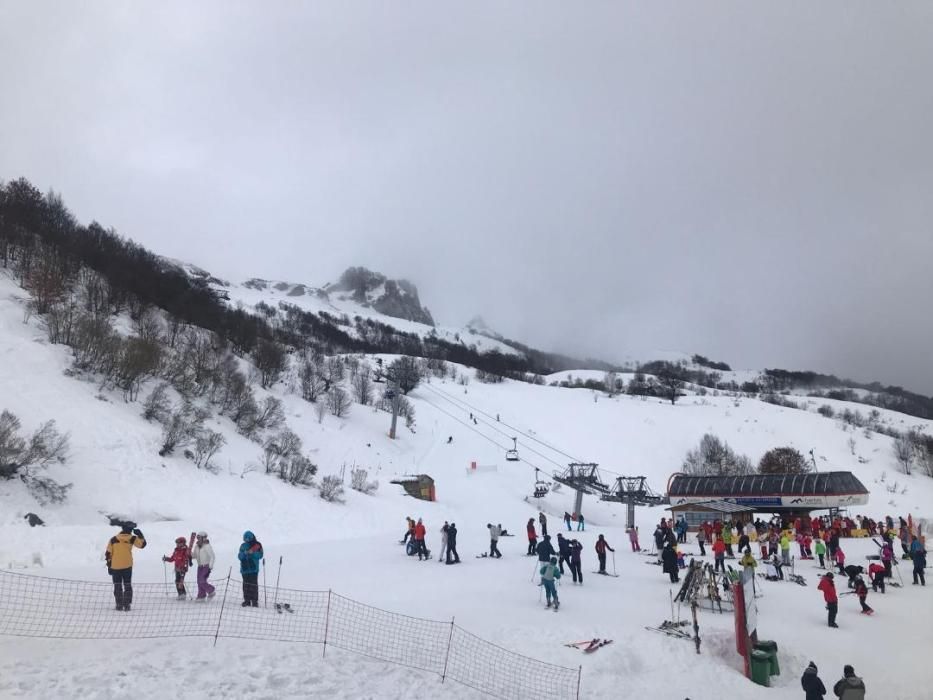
(165, 577)
(275, 599)
(614, 572)
(265, 590)
(534, 571)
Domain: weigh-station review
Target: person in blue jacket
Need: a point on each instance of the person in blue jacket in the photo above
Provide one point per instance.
(919, 554)
(250, 555)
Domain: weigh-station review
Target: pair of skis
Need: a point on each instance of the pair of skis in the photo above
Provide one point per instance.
(606, 573)
(590, 645)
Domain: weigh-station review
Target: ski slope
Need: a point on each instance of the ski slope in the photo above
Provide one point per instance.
(352, 548)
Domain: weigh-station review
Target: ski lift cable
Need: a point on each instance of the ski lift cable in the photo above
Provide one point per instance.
(478, 432)
(519, 431)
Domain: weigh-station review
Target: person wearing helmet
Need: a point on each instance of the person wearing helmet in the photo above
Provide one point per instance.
(250, 555)
(829, 595)
(181, 558)
(203, 554)
(119, 556)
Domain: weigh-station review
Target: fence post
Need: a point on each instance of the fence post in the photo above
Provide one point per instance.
(447, 655)
(579, 675)
(326, 624)
(223, 601)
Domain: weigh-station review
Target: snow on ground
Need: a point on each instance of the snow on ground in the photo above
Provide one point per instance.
(352, 548)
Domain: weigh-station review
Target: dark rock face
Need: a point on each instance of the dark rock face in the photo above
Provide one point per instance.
(396, 298)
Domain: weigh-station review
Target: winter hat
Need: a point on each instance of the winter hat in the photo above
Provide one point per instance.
(202, 534)
(488, 524)
(248, 536)
(180, 540)
(829, 575)
(848, 671)
(127, 527)
(813, 666)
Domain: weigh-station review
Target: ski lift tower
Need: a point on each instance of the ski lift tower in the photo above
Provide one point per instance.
(582, 478)
(632, 491)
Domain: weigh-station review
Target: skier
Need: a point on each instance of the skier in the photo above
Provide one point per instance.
(919, 554)
(669, 559)
(763, 544)
(444, 528)
(861, 590)
(563, 551)
(420, 548)
(542, 521)
(633, 539)
(785, 549)
(829, 595)
(546, 549)
(727, 539)
(567, 520)
(532, 537)
(748, 562)
(581, 523)
(840, 557)
(203, 554)
(701, 541)
(887, 556)
(181, 557)
(601, 547)
(850, 686)
(410, 532)
(811, 683)
(719, 555)
(452, 544)
(550, 573)
(820, 548)
(576, 567)
(494, 532)
(119, 556)
(250, 555)
(853, 571)
(876, 574)
(450, 439)
(778, 566)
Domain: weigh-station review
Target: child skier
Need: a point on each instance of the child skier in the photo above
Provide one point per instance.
(861, 590)
(550, 573)
(203, 554)
(181, 557)
(820, 548)
(840, 557)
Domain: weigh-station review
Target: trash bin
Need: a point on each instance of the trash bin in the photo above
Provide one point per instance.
(771, 648)
(761, 666)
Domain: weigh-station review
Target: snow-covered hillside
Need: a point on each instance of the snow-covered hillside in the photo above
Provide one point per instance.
(351, 548)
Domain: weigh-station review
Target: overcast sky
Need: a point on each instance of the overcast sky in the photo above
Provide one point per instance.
(750, 182)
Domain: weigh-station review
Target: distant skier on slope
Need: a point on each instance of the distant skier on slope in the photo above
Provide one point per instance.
(181, 558)
(549, 574)
(494, 532)
(119, 556)
(420, 547)
(545, 549)
(576, 566)
(567, 520)
(542, 521)
(532, 537)
(918, 552)
(563, 551)
(444, 528)
(601, 546)
(452, 544)
(250, 555)
(633, 539)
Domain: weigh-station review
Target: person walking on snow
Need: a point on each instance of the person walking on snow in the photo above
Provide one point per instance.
(181, 557)
(542, 521)
(861, 590)
(420, 532)
(820, 548)
(119, 556)
(701, 541)
(850, 686)
(829, 596)
(452, 544)
(494, 532)
(581, 523)
(576, 568)
(669, 560)
(719, 555)
(601, 547)
(250, 555)
(203, 554)
(440, 557)
(546, 549)
(532, 537)
(633, 539)
(919, 555)
(563, 551)
(841, 560)
(785, 549)
(550, 573)
(811, 683)
(567, 520)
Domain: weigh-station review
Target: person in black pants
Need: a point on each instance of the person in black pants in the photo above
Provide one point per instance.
(494, 532)
(576, 570)
(452, 544)
(119, 556)
(563, 551)
(601, 547)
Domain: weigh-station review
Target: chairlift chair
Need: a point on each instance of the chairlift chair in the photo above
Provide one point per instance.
(512, 455)
(541, 487)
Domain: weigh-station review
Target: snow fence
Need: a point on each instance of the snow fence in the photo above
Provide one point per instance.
(34, 606)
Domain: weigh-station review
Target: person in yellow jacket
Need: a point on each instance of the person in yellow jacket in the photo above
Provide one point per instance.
(119, 556)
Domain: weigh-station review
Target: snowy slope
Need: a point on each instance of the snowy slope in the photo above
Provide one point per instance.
(351, 548)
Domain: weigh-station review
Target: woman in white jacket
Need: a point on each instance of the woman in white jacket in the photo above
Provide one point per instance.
(203, 554)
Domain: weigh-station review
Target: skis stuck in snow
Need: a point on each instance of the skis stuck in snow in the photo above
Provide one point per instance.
(590, 645)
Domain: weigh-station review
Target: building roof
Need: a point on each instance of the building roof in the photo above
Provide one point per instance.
(715, 506)
(814, 484)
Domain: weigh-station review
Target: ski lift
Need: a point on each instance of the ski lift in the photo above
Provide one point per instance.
(512, 455)
(541, 486)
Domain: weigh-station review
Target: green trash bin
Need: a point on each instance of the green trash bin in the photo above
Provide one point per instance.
(771, 648)
(761, 667)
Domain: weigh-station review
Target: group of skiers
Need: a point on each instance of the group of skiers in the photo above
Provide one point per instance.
(415, 537)
(119, 558)
(849, 687)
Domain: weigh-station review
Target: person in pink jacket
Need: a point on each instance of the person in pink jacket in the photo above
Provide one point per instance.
(841, 560)
(633, 539)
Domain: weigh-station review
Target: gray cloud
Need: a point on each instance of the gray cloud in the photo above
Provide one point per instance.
(752, 183)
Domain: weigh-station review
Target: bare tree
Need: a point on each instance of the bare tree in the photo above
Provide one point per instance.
(338, 401)
(904, 453)
(206, 445)
(715, 457)
(363, 386)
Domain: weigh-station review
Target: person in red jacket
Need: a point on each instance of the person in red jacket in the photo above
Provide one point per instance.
(532, 537)
(601, 547)
(876, 574)
(181, 557)
(420, 531)
(829, 595)
(719, 553)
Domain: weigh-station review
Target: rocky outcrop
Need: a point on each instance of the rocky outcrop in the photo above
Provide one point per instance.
(396, 298)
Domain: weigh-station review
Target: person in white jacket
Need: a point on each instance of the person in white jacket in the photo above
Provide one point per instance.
(203, 554)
